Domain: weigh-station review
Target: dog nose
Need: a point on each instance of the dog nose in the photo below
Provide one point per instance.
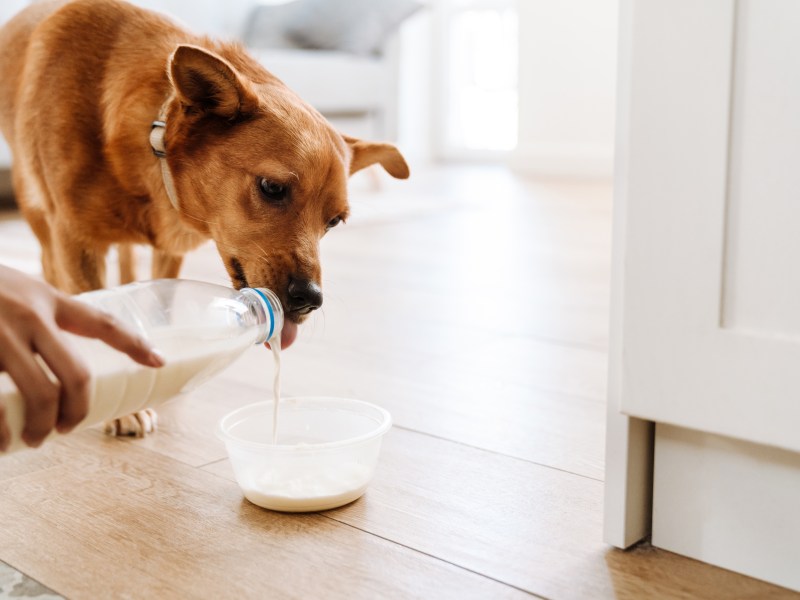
(304, 296)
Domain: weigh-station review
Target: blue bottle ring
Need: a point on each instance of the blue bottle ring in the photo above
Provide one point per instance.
(269, 309)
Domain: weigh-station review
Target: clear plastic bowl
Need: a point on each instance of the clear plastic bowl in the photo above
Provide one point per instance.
(325, 456)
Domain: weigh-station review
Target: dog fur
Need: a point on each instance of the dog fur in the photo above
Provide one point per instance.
(80, 84)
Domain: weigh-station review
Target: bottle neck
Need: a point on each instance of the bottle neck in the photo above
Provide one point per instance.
(266, 307)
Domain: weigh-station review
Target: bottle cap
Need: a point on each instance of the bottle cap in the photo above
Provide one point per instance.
(273, 308)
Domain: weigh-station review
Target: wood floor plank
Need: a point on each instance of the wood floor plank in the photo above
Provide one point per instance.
(577, 319)
(647, 572)
(466, 405)
(529, 526)
(131, 523)
(561, 432)
(514, 361)
(25, 462)
(482, 511)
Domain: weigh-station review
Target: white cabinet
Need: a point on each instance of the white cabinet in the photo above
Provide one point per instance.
(707, 300)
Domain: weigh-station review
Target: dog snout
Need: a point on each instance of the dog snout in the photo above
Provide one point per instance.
(304, 296)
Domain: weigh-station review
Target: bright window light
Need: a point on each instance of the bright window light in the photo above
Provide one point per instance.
(480, 80)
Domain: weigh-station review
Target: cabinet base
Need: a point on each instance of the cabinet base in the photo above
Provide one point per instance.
(729, 503)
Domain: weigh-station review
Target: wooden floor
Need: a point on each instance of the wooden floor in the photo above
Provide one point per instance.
(471, 304)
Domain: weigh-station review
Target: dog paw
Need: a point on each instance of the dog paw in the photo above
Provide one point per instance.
(138, 424)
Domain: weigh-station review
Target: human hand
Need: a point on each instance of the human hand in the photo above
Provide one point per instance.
(32, 318)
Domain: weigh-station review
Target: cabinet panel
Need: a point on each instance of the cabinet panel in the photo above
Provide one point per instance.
(762, 279)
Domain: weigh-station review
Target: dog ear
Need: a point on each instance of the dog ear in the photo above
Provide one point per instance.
(365, 154)
(207, 82)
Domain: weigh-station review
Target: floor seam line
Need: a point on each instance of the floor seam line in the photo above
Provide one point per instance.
(213, 462)
(496, 452)
(437, 558)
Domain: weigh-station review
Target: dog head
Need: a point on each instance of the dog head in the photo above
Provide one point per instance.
(261, 172)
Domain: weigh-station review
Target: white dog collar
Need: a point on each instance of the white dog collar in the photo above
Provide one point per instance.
(157, 131)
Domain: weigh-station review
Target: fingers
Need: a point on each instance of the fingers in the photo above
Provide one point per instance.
(79, 318)
(31, 314)
(40, 393)
(71, 371)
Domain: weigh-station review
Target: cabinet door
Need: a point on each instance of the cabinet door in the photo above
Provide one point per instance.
(711, 185)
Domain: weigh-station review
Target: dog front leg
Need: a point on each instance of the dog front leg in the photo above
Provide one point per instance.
(81, 268)
(33, 209)
(165, 265)
(127, 263)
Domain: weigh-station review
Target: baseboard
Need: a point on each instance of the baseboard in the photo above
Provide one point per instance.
(578, 161)
(728, 502)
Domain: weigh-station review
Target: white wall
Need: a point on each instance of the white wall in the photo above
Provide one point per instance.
(567, 82)
(416, 98)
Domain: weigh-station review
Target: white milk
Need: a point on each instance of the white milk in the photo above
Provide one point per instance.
(290, 490)
(305, 503)
(275, 344)
(121, 387)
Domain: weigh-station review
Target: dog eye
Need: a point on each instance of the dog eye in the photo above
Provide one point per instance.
(272, 191)
(333, 223)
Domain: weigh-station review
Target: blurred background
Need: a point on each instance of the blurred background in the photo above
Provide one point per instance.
(527, 84)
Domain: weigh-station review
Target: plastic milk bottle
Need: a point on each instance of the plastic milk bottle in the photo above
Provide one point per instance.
(200, 328)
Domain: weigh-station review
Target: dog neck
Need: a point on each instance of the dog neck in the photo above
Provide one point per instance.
(157, 131)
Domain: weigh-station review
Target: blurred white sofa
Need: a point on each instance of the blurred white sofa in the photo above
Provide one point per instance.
(341, 56)
(357, 94)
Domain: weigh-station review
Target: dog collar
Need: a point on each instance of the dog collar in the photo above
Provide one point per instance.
(157, 131)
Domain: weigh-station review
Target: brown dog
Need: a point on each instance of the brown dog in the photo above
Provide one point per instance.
(247, 163)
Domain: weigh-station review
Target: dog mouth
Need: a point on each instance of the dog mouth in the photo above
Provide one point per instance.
(288, 334)
(237, 274)
(292, 319)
